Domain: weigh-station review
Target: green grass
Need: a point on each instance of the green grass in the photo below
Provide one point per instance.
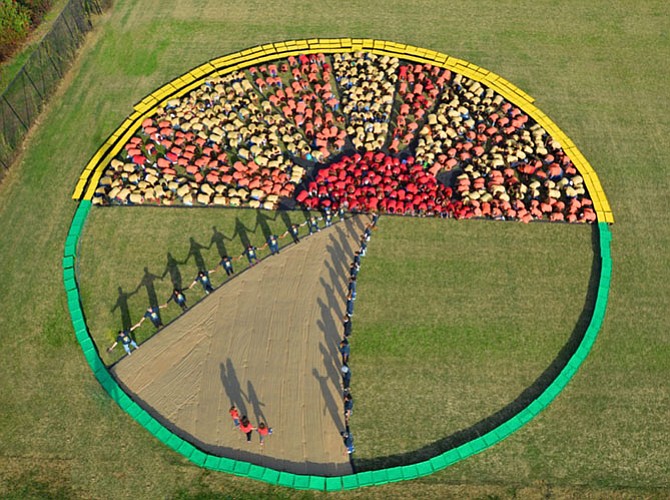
(454, 321)
(598, 69)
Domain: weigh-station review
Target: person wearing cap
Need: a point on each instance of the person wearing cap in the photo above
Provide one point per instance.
(346, 377)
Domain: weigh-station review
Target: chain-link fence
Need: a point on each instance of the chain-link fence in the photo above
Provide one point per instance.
(26, 94)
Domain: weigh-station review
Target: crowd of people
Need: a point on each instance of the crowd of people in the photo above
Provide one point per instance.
(373, 182)
(367, 86)
(302, 88)
(347, 330)
(222, 144)
(241, 139)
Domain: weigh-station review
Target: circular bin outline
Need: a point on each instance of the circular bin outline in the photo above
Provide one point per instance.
(255, 55)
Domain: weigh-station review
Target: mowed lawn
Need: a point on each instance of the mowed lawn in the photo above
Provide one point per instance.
(599, 69)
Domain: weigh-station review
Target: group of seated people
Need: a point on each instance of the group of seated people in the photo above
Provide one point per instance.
(374, 182)
(367, 85)
(184, 154)
(237, 140)
(303, 89)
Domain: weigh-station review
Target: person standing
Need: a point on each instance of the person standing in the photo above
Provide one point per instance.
(294, 230)
(345, 350)
(346, 377)
(153, 314)
(352, 287)
(350, 305)
(246, 427)
(126, 341)
(263, 431)
(348, 407)
(251, 254)
(348, 439)
(227, 264)
(203, 278)
(328, 218)
(313, 225)
(347, 325)
(273, 244)
(235, 415)
(179, 297)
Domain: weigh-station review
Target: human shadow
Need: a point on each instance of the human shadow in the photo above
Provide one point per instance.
(262, 222)
(231, 385)
(522, 401)
(172, 268)
(286, 219)
(331, 405)
(219, 240)
(242, 232)
(195, 251)
(148, 284)
(329, 326)
(122, 306)
(256, 405)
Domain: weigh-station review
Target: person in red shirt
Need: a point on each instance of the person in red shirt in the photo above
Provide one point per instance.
(263, 430)
(246, 427)
(235, 415)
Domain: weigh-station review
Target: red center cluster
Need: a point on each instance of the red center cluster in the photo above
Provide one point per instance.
(377, 182)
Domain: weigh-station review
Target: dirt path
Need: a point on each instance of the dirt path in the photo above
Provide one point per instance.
(267, 341)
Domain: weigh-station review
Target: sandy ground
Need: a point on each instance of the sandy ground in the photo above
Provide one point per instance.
(266, 341)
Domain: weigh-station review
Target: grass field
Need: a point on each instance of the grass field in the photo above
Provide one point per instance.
(598, 69)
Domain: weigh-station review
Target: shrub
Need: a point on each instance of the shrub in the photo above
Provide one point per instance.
(14, 26)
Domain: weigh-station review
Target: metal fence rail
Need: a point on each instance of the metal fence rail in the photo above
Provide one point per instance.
(25, 96)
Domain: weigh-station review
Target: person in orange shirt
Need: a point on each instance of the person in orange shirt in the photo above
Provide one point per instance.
(263, 430)
(235, 416)
(246, 427)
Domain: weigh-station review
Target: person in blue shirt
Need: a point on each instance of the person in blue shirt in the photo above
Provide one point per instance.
(227, 264)
(294, 230)
(348, 407)
(179, 297)
(153, 314)
(348, 439)
(328, 218)
(251, 254)
(204, 280)
(352, 287)
(345, 350)
(347, 325)
(346, 377)
(125, 340)
(273, 244)
(313, 225)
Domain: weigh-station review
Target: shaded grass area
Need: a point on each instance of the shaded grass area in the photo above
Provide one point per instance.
(598, 69)
(133, 257)
(454, 321)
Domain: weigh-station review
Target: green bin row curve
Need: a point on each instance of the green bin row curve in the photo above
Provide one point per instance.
(303, 482)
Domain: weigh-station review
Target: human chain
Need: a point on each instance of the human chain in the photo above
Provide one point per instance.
(345, 346)
(152, 313)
